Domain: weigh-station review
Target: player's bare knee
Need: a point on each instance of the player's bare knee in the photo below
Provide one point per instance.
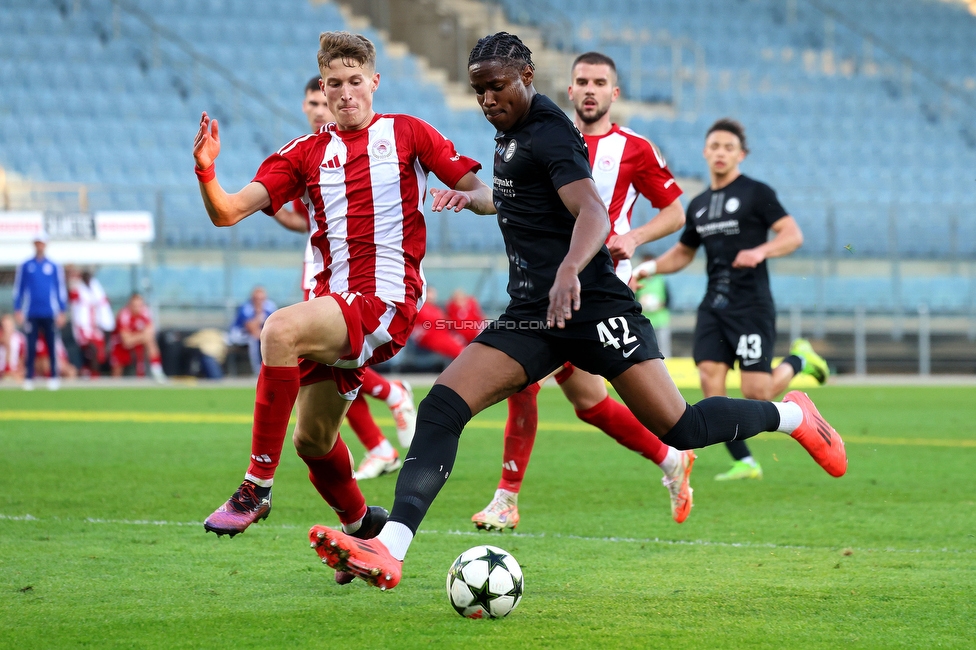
(279, 336)
(314, 440)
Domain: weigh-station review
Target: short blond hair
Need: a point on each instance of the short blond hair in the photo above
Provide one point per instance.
(350, 49)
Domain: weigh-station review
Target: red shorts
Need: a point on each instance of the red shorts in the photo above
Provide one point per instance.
(377, 331)
(125, 357)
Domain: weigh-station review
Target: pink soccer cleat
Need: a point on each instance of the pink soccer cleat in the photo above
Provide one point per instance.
(819, 438)
(250, 503)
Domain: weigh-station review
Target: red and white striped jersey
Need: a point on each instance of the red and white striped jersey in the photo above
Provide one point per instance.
(12, 354)
(133, 321)
(624, 165)
(365, 193)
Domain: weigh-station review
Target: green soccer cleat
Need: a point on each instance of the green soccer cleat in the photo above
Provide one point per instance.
(741, 469)
(814, 364)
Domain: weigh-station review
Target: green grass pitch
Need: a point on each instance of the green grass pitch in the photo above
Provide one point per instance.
(101, 543)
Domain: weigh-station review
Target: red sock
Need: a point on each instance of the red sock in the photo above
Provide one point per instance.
(362, 424)
(375, 384)
(332, 476)
(520, 428)
(156, 359)
(616, 420)
(276, 394)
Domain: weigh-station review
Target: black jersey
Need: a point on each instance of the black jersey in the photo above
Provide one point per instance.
(734, 218)
(532, 161)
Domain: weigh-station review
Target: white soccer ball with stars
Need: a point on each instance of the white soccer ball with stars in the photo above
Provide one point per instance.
(485, 582)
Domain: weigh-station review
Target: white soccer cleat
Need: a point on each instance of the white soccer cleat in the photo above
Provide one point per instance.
(500, 514)
(374, 465)
(156, 371)
(28, 384)
(679, 488)
(53, 383)
(404, 415)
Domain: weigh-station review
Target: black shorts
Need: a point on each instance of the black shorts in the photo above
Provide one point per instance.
(607, 347)
(726, 336)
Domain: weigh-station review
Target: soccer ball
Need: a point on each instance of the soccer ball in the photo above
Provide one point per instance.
(485, 582)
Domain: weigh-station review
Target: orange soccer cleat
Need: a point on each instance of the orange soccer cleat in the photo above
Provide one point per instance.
(364, 558)
(819, 438)
(679, 488)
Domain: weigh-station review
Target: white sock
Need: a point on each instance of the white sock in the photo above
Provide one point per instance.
(790, 416)
(395, 396)
(396, 538)
(384, 449)
(349, 529)
(262, 482)
(671, 462)
(749, 460)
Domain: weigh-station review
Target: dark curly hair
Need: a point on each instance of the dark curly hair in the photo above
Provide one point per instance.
(731, 126)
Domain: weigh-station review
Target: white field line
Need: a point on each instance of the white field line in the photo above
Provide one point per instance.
(489, 536)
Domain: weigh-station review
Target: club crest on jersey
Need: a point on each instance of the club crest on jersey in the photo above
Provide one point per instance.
(382, 148)
(510, 151)
(732, 205)
(606, 163)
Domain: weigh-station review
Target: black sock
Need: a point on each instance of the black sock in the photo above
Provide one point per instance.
(794, 361)
(440, 419)
(738, 449)
(721, 419)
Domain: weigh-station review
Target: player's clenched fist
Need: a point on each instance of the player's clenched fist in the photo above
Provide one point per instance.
(206, 146)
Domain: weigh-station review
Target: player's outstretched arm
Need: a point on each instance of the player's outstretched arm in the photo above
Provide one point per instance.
(583, 200)
(668, 220)
(470, 192)
(224, 209)
(788, 237)
(671, 261)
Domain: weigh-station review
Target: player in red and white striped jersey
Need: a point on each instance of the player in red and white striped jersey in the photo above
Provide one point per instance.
(381, 457)
(364, 180)
(13, 349)
(624, 166)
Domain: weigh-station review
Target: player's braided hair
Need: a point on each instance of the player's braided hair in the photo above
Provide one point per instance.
(731, 126)
(503, 47)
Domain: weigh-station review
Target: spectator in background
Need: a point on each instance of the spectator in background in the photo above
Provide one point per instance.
(40, 298)
(211, 351)
(13, 346)
(134, 340)
(42, 362)
(248, 324)
(465, 315)
(652, 294)
(91, 318)
(431, 331)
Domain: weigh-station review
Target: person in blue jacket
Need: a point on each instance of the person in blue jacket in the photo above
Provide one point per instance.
(40, 299)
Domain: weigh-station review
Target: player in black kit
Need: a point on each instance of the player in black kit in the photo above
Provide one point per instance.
(566, 305)
(737, 318)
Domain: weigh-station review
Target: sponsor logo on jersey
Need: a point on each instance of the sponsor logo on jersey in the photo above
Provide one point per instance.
(606, 163)
(382, 148)
(732, 205)
(510, 150)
